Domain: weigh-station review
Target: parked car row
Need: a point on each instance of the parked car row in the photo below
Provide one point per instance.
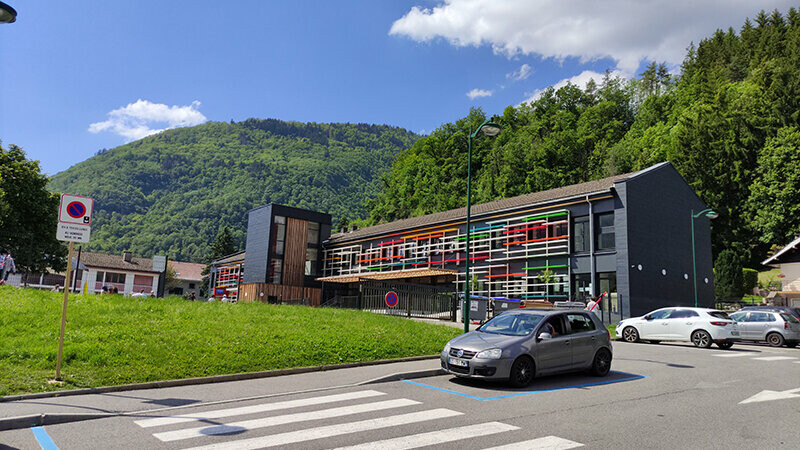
(704, 327)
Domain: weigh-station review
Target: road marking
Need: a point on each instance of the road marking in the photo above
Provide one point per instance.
(247, 425)
(292, 437)
(435, 437)
(545, 443)
(766, 396)
(774, 358)
(158, 421)
(43, 439)
(731, 355)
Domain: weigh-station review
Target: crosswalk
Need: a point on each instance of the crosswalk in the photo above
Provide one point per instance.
(194, 430)
(757, 358)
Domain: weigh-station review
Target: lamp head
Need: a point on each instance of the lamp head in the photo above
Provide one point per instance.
(491, 129)
(712, 215)
(7, 14)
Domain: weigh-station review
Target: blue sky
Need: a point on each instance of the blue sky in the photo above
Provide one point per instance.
(83, 75)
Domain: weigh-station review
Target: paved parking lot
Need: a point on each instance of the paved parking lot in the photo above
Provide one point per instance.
(659, 396)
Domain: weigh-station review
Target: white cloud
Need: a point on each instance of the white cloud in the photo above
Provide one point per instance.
(623, 30)
(136, 120)
(475, 93)
(520, 74)
(580, 80)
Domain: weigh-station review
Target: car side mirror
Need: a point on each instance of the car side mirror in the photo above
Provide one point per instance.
(648, 318)
(545, 336)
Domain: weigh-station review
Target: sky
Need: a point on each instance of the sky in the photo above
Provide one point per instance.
(80, 76)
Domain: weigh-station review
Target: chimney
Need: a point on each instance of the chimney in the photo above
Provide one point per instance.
(353, 227)
(127, 256)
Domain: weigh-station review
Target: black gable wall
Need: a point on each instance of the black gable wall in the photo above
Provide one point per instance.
(658, 205)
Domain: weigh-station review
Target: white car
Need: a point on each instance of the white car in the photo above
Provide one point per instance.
(701, 326)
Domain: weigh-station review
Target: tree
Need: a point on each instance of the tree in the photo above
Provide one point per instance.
(728, 283)
(28, 214)
(170, 278)
(223, 246)
(749, 280)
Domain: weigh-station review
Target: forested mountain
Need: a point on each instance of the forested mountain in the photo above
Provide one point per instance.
(728, 121)
(172, 192)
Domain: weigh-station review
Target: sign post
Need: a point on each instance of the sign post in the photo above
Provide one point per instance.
(74, 225)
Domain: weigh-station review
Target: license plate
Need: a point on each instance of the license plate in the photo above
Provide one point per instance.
(458, 362)
(734, 333)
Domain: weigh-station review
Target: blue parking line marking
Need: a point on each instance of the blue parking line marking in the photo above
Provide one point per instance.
(44, 439)
(631, 377)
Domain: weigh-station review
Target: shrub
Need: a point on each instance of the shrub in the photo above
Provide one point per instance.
(749, 280)
(728, 284)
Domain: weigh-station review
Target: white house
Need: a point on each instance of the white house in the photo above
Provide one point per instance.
(788, 261)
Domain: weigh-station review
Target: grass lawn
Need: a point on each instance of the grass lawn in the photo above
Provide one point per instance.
(112, 339)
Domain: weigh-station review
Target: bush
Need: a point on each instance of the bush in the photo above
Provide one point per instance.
(749, 280)
(728, 282)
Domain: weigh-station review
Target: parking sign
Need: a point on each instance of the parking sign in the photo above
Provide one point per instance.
(75, 209)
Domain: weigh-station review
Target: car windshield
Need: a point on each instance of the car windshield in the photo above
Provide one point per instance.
(719, 315)
(512, 324)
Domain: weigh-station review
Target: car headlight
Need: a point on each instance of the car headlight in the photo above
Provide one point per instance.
(446, 348)
(493, 353)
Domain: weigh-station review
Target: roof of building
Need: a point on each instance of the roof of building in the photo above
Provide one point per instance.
(106, 261)
(775, 259)
(187, 270)
(232, 258)
(589, 187)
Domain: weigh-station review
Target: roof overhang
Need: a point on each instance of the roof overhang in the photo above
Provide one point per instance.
(774, 259)
(393, 275)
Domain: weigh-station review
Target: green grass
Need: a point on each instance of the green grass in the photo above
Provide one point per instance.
(768, 275)
(113, 340)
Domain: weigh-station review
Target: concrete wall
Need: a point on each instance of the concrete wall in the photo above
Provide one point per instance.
(791, 281)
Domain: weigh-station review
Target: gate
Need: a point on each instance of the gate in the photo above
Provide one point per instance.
(413, 300)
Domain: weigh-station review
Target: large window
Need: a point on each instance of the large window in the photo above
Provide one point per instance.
(313, 233)
(275, 271)
(311, 261)
(278, 237)
(580, 234)
(605, 231)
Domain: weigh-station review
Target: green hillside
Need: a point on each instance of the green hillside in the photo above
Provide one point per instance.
(170, 193)
(729, 121)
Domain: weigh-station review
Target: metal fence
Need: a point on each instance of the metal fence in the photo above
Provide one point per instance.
(406, 300)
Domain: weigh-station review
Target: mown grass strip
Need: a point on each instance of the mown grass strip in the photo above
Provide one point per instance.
(113, 340)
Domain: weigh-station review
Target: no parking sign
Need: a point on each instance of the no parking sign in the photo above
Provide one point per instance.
(74, 218)
(391, 299)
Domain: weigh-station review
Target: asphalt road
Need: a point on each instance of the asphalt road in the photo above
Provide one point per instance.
(658, 396)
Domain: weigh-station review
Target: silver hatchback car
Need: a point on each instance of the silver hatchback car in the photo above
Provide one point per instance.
(775, 327)
(522, 344)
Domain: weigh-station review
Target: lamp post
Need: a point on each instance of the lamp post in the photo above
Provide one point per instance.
(708, 212)
(7, 14)
(489, 129)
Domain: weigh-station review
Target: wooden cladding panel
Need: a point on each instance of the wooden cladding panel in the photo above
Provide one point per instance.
(294, 256)
(261, 291)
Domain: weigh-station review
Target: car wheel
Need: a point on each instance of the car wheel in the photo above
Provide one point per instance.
(701, 338)
(654, 342)
(775, 339)
(725, 345)
(522, 372)
(629, 334)
(602, 363)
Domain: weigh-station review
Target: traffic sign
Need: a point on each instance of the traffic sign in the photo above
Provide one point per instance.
(75, 209)
(73, 233)
(391, 299)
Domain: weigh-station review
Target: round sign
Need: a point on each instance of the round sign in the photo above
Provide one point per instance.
(76, 210)
(391, 299)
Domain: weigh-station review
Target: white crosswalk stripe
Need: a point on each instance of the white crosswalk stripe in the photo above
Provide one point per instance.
(247, 425)
(774, 358)
(545, 443)
(435, 437)
(293, 437)
(276, 406)
(731, 355)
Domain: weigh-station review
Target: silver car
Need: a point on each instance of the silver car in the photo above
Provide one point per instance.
(776, 328)
(521, 344)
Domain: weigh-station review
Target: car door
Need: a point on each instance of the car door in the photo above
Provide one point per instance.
(584, 339)
(680, 324)
(654, 326)
(759, 324)
(554, 354)
(741, 321)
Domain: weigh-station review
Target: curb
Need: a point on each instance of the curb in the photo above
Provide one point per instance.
(38, 420)
(211, 379)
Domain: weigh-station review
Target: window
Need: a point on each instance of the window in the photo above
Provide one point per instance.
(112, 277)
(311, 261)
(313, 233)
(278, 237)
(605, 231)
(761, 317)
(739, 317)
(683, 314)
(660, 314)
(275, 271)
(580, 234)
(579, 323)
(191, 285)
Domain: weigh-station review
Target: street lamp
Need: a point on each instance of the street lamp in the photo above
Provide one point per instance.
(708, 212)
(489, 129)
(7, 13)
